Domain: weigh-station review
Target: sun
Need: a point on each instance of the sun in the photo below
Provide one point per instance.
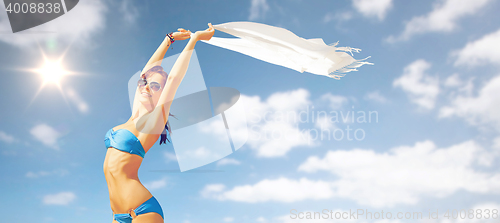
(52, 72)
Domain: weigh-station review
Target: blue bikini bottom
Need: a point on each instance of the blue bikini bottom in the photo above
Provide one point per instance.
(150, 205)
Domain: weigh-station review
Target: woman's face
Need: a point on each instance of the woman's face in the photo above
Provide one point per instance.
(147, 95)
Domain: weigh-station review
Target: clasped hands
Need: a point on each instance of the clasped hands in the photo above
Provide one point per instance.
(183, 34)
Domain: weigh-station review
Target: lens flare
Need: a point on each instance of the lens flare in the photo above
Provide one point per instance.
(52, 72)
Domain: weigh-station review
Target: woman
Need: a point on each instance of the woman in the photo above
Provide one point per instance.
(127, 143)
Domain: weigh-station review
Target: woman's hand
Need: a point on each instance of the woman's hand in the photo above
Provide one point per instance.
(205, 34)
(182, 34)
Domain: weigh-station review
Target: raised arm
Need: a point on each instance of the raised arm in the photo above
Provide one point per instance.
(157, 57)
(159, 116)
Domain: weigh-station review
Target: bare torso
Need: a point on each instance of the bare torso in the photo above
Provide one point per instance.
(121, 173)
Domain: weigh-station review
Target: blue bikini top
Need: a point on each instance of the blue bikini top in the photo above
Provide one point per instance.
(124, 140)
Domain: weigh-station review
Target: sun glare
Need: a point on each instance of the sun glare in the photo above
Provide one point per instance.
(52, 72)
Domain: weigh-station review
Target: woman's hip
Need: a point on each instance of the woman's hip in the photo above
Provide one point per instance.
(125, 195)
(148, 211)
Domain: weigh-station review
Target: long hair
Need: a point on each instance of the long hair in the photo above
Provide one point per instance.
(159, 70)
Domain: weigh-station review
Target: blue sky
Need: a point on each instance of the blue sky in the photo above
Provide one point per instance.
(435, 87)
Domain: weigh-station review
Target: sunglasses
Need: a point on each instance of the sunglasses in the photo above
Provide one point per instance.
(155, 86)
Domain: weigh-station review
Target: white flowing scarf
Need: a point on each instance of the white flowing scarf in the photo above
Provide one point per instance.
(282, 47)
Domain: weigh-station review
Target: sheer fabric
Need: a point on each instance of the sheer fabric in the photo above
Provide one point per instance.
(281, 47)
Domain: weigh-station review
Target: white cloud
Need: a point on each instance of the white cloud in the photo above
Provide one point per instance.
(63, 198)
(228, 161)
(46, 134)
(453, 81)
(219, 134)
(289, 100)
(420, 87)
(261, 219)
(401, 176)
(480, 110)
(496, 143)
(375, 96)
(273, 123)
(77, 101)
(324, 122)
(211, 189)
(228, 219)
(340, 17)
(77, 26)
(41, 173)
(404, 174)
(482, 51)
(157, 184)
(202, 153)
(335, 102)
(280, 190)
(443, 18)
(373, 8)
(456, 86)
(6, 137)
(258, 9)
(129, 11)
(170, 156)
